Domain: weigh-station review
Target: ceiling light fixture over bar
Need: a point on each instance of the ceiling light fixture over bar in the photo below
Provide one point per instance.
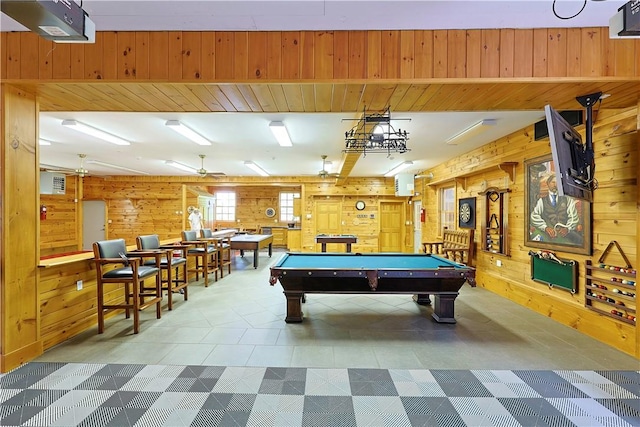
(187, 132)
(279, 130)
(257, 169)
(471, 131)
(180, 166)
(399, 168)
(374, 134)
(89, 130)
(109, 165)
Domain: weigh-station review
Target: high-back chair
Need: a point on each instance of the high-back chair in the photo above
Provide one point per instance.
(223, 244)
(205, 255)
(174, 282)
(129, 272)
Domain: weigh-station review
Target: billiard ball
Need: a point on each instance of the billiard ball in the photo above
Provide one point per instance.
(615, 290)
(625, 282)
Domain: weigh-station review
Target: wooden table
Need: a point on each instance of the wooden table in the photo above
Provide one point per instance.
(252, 242)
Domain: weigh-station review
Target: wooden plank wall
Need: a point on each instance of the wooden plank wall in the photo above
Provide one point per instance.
(59, 231)
(65, 311)
(148, 205)
(321, 55)
(614, 214)
(251, 204)
(139, 207)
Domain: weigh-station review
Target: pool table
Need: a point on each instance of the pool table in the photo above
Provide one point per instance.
(377, 273)
(252, 242)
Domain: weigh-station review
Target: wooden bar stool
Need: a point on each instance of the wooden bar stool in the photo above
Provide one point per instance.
(205, 256)
(223, 246)
(131, 274)
(175, 282)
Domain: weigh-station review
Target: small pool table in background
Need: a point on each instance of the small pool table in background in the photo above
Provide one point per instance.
(252, 242)
(347, 239)
(378, 273)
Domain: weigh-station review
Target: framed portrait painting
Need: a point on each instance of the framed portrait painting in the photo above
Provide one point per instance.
(553, 222)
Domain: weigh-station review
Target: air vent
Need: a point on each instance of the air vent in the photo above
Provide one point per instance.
(52, 183)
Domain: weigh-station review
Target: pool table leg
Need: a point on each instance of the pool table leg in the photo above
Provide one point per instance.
(294, 307)
(443, 308)
(422, 299)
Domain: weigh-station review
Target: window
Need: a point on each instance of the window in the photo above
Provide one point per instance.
(286, 206)
(447, 208)
(226, 206)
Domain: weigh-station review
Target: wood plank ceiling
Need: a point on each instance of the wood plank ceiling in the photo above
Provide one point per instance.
(329, 97)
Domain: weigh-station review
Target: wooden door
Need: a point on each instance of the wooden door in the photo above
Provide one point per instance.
(329, 221)
(391, 226)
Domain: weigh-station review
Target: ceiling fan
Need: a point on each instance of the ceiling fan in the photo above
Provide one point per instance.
(323, 173)
(203, 172)
(80, 171)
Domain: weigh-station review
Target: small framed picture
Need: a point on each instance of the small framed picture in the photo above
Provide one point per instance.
(467, 213)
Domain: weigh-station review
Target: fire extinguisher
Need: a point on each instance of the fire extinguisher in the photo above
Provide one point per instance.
(422, 215)
(43, 212)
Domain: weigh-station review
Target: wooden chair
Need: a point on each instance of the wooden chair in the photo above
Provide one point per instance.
(223, 245)
(128, 271)
(204, 253)
(174, 282)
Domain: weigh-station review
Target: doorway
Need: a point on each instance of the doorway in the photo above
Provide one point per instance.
(94, 222)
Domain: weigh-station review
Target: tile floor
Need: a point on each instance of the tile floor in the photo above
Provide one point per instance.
(355, 360)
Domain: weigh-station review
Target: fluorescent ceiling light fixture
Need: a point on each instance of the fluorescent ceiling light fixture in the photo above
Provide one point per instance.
(89, 130)
(43, 141)
(399, 168)
(180, 166)
(257, 169)
(111, 166)
(186, 131)
(280, 132)
(471, 131)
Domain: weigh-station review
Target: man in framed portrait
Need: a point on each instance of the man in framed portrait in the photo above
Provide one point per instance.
(556, 217)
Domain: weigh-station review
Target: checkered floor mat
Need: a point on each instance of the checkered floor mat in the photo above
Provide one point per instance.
(77, 394)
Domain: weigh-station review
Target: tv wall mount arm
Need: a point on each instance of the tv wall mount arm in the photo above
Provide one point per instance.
(587, 101)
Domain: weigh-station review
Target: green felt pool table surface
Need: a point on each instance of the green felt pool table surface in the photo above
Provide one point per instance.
(366, 261)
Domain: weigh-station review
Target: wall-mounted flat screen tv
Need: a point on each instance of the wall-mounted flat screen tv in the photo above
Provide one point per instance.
(574, 161)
